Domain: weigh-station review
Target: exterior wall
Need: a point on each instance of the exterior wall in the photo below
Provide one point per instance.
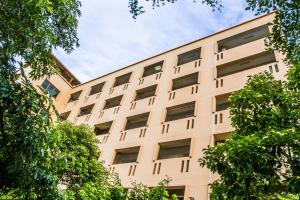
(196, 180)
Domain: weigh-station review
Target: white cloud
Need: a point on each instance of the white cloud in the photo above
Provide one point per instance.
(111, 39)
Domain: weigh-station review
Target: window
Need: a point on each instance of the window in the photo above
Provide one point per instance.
(86, 110)
(221, 137)
(145, 92)
(243, 38)
(75, 96)
(64, 116)
(103, 128)
(113, 102)
(153, 69)
(174, 149)
(185, 81)
(180, 111)
(127, 155)
(178, 190)
(245, 63)
(96, 88)
(53, 91)
(189, 56)
(122, 79)
(222, 102)
(137, 121)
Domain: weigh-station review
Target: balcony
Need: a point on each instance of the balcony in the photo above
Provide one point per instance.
(126, 172)
(121, 84)
(173, 158)
(144, 97)
(111, 108)
(153, 69)
(73, 100)
(125, 162)
(127, 155)
(65, 115)
(94, 93)
(238, 72)
(176, 167)
(222, 122)
(174, 149)
(185, 86)
(242, 45)
(177, 190)
(109, 114)
(141, 105)
(181, 111)
(131, 136)
(221, 137)
(96, 89)
(136, 121)
(188, 62)
(151, 74)
(113, 102)
(237, 53)
(102, 131)
(178, 127)
(84, 114)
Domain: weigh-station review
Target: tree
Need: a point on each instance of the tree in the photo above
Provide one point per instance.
(77, 165)
(29, 31)
(142, 192)
(36, 160)
(84, 177)
(261, 160)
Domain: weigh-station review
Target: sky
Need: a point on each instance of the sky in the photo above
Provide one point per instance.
(111, 39)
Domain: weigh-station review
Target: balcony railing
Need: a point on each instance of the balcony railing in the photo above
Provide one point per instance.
(221, 122)
(248, 49)
(181, 126)
(228, 83)
(140, 105)
(109, 114)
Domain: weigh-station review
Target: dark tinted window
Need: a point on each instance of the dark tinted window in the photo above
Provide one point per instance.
(86, 110)
(185, 81)
(174, 149)
(113, 102)
(180, 111)
(96, 88)
(137, 121)
(145, 92)
(104, 128)
(122, 79)
(128, 155)
(53, 91)
(64, 116)
(153, 69)
(75, 96)
(189, 56)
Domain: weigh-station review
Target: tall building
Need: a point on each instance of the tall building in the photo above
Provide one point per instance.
(154, 117)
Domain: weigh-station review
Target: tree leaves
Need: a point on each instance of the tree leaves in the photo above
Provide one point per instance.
(262, 157)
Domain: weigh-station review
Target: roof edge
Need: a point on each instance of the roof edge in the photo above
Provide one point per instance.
(159, 54)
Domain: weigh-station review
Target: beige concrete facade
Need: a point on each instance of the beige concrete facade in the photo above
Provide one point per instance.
(155, 121)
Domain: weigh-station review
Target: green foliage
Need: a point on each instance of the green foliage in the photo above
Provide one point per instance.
(262, 158)
(77, 165)
(29, 31)
(25, 156)
(84, 177)
(142, 192)
(263, 104)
